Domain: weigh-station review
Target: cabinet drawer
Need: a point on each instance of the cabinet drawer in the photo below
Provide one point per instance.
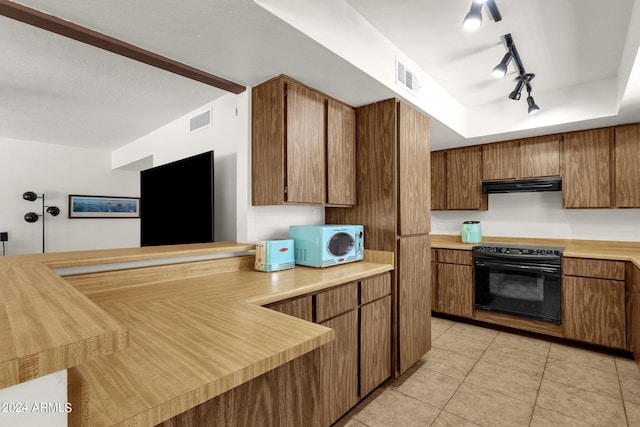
(374, 288)
(434, 255)
(596, 268)
(336, 301)
(452, 256)
(301, 308)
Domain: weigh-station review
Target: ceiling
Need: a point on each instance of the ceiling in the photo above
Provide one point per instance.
(583, 52)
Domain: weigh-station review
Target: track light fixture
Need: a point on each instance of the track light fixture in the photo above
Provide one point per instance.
(473, 19)
(30, 196)
(523, 79)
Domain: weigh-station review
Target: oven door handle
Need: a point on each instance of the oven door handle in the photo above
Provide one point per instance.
(518, 267)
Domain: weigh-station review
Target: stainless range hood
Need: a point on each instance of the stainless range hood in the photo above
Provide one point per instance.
(523, 185)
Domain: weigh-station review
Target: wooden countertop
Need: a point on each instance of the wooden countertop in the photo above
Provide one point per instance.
(599, 249)
(188, 340)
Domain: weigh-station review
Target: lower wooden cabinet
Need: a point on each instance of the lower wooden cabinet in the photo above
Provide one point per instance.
(593, 310)
(455, 289)
(375, 344)
(633, 311)
(339, 360)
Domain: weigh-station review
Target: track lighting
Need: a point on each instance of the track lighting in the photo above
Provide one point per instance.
(515, 95)
(533, 108)
(473, 19)
(500, 70)
(30, 196)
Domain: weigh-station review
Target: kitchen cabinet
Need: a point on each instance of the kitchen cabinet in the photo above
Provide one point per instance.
(301, 307)
(434, 280)
(393, 190)
(464, 179)
(438, 180)
(454, 282)
(627, 166)
(527, 158)
(587, 169)
(341, 154)
(303, 146)
(375, 344)
(593, 301)
(633, 311)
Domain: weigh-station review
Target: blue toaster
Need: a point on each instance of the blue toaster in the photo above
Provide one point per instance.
(274, 255)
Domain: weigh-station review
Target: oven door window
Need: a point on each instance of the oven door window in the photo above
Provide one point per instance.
(522, 290)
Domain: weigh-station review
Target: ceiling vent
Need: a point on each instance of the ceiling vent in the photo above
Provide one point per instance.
(200, 121)
(406, 78)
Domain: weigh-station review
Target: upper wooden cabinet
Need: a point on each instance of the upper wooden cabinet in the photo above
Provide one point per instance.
(464, 179)
(528, 158)
(293, 127)
(627, 166)
(341, 154)
(438, 180)
(587, 169)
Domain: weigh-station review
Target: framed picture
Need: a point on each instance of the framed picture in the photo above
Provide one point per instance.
(103, 207)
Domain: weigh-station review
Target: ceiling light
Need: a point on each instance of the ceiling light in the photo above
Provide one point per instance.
(515, 95)
(473, 20)
(533, 108)
(500, 70)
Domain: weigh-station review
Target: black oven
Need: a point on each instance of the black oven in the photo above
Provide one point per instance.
(519, 280)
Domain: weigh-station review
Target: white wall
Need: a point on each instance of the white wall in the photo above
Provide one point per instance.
(58, 171)
(230, 139)
(541, 215)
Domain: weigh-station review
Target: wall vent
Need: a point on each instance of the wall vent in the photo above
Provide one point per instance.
(406, 78)
(200, 121)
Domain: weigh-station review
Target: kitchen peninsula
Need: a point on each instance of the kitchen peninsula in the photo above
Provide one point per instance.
(193, 329)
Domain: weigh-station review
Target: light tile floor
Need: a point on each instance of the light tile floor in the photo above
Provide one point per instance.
(475, 376)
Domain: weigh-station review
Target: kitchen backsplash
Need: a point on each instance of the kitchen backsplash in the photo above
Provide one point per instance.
(541, 215)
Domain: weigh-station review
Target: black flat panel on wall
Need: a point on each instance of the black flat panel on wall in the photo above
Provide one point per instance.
(176, 202)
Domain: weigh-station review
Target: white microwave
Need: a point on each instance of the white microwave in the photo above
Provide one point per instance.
(326, 245)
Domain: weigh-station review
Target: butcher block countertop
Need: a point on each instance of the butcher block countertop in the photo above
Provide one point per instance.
(165, 345)
(598, 249)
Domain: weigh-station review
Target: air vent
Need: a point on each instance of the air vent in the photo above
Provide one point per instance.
(200, 121)
(406, 78)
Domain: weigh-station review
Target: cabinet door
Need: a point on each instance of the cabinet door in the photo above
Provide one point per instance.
(627, 166)
(438, 180)
(375, 344)
(501, 160)
(434, 287)
(414, 312)
(305, 140)
(414, 172)
(633, 310)
(464, 179)
(540, 157)
(340, 367)
(455, 289)
(593, 310)
(341, 154)
(586, 169)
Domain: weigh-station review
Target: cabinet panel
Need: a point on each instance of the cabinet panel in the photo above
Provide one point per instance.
(434, 286)
(453, 256)
(438, 180)
(336, 301)
(340, 367)
(341, 154)
(305, 140)
(596, 268)
(267, 146)
(540, 157)
(375, 287)
(501, 160)
(414, 311)
(627, 167)
(414, 172)
(586, 169)
(633, 311)
(464, 179)
(301, 308)
(593, 310)
(375, 344)
(455, 289)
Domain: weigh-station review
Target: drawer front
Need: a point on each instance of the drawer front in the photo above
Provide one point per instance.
(434, 255)
(375, 287)
(336, 301)
(452, 256)
(596, 268)
(301, 308)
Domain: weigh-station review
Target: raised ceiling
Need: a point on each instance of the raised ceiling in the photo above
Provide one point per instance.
(57, 90)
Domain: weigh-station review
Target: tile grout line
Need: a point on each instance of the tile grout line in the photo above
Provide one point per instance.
(535, 402)
(624, 406)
